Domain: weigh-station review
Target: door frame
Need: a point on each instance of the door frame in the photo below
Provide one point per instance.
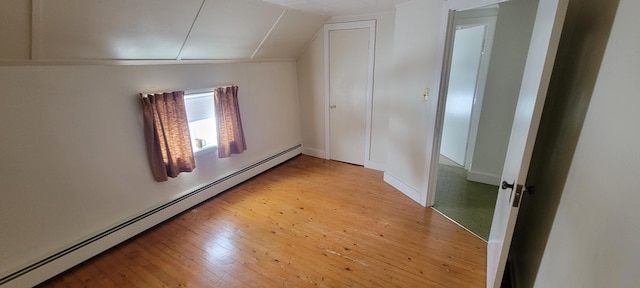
(489, 21)
(541, 56)
(445, 45)
(371, 25)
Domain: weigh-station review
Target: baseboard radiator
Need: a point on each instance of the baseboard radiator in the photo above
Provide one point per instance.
(61, 261)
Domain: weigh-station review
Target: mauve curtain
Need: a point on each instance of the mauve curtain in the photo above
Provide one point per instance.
(166, 132)
(230, 134)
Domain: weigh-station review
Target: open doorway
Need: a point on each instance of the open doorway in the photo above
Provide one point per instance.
(488, 55)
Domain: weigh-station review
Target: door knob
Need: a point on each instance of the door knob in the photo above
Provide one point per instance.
(506, 185)
(332, 106)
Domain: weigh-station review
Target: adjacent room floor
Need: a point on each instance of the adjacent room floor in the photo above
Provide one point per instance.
(470, 204)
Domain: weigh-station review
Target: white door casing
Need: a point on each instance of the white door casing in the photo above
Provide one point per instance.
(535, 82)
(436, 116)
(350, 119)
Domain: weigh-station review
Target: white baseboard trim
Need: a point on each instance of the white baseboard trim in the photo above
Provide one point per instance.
(483, 178)
(404, 188)
(51, 265)
(314, 152)
(374, 165)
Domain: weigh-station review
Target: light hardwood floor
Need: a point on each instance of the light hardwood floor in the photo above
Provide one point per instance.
(308, 222)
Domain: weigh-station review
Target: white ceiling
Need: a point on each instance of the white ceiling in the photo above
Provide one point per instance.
(168, 29)
(77, 29)
(332, 8)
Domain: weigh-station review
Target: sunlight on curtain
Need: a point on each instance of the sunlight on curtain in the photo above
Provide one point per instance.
(230, 134)
(166, 132)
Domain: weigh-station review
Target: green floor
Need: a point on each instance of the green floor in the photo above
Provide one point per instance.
(469, 203)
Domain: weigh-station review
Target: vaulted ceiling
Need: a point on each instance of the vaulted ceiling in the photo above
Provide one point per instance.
(340, 7)
(167, 29)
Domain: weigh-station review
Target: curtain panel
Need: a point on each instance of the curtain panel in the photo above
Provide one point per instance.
(166, 132)
(230, 134)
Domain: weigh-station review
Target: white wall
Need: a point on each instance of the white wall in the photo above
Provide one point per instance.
(311, 89)
(596, 226)
(73, 153)
(593, 234)
(15, 29)
(310, 68)
(415, 51)
(508, 57)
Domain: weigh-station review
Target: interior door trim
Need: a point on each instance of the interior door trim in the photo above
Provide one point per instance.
(436, 114)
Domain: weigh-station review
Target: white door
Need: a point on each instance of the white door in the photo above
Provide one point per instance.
(463, 80)
(348, 81)
(535, 83)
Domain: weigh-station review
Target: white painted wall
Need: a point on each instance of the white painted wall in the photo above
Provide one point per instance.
(415, 51)
(15, 28)
(310, 85)
(508, 57)
(310, 68)
(73, 154)
(593, 228)
(596, 225)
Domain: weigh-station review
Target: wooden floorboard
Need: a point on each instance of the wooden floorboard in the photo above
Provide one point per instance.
(306, 223)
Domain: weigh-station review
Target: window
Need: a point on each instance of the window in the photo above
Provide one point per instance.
(201, 115)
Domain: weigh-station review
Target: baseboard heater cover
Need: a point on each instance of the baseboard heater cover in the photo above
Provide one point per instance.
(24, 271)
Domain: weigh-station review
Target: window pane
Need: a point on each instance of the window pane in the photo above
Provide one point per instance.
(202, 122)
(203, 133)
(199, 107)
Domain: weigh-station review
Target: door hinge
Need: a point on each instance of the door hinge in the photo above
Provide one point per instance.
(517, 196)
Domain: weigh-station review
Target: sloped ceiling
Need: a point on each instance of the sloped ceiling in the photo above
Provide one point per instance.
(232, 29)
(141, 29)
(167, 29)
(332, 8)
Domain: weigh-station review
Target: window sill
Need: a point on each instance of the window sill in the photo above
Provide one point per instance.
(205, 150)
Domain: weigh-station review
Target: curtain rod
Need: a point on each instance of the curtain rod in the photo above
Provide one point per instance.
(190, 91)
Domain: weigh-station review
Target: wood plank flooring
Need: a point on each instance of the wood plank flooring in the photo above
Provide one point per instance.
(308, 222)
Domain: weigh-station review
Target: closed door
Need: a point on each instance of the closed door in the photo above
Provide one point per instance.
(348, 72)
